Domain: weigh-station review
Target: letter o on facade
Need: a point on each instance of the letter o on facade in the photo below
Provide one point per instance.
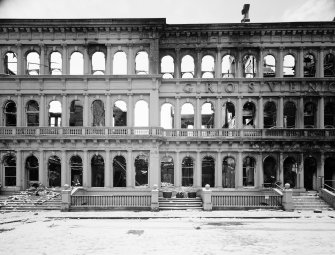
(230, 88)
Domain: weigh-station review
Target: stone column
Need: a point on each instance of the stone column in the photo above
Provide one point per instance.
(19, 169)
(260, 64)
(64, 111)
(130, 61)
(301, 172)
(259, 171)
(197, 63)
(154, 56)
(177, 65)
(239, 171)
(65, 60)
(260, 113)
(281, 168)
(108, 173)
(86, 111)
(64, 172)
(42, 169)
(130, 172)
(108, 110)
(2, 60)
(320, 70)
(280, 118)
(86, 170)
(218, 121)
(87, 64)
(280, 63)
(42, 111)
(130, 112)
(218, 168)
(198, 170)
(154, 109)
(300, 112)
(109, 62)
(154, 167)
(19, 111)
(197, 124)
(321, 115)
(43, 63)
(178, 171)
(321, 175)
(20, 61)
(239, 113)
(300, 63)
(218, 69)
(177, 113)
(239, 64)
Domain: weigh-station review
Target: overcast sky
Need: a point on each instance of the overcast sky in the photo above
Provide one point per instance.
(175, 11)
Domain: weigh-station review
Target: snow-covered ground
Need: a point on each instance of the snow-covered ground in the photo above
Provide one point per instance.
(244, 232)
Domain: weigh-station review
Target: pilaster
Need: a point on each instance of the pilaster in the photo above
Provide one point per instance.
(218, 167)
(42, 169)
(65, 60)
(198, 170)
(43, 60)
(321, 113)
(108, 173)
(129, 177)
(260, 113)
(64, 172)
(178, 170)
(109, 61)
(19, 169)
(86, 170)
(239, 171)
(280, 120)
(218, 64)
(64, 122)
(19, 111)
(177, 64)
(42, 111)
(320, 67)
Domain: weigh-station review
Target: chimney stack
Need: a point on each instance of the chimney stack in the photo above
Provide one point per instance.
(245, 12)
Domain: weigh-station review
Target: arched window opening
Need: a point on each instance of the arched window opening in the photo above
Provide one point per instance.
(270, 171)
(309, 115)
(141, 170)
(77, 63)
(249, 110)
(187, 171)
(228, 172)
(249, 66)
(167, 116)
(32, 114)
(329, 65)
(228, 115)
(33, 63)
(9, 164)
(119, 171)
(290, 172)
(309, 65)
(167, 67)
(55, 64)
(76, 114)
(207, 67)
(208, 171)
(228, 66)
(289, 66)
(141, 114)
(329, 114)
(10, 63)
(310, 169)
(120, 63)
(187, 116)
(10, 114)
(269, 69)
(207, 116)
(54, 171)
(98, 111)
(330, 173)
(55, 114)
(187, 67)
(249, 165)
(98, 63)
(289, 115)
(98, 171)
(167, 171)
(142, 63)
(120, 114)
(270, 115)
(76, 166)
(31, 167)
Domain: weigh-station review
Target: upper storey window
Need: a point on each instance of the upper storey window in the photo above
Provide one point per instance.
(55, 114)
(207, 116)
(249, 111)
(32, 113)
(120, 63)
(10, 63)
(249, 66)
(329, 65)
(187, 67)
(33, 63)
(55, 63)
(167, 67)
(309, 115)
(309, 65)
(98, 63)
(289, 66)
(10, 114)
(269, 69)
(142, 63)
(228, 66)
(77, 63)
(207, 67)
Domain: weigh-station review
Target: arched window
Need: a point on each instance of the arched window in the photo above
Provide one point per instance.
(228, 115)
(32, 113)
(55, 114)
(270, 115)
(330, 172)
(119, 171)
(76, 114)
(141, 170)
(310, 171)
(249, 165)
(120, 63)
(269, 69)
(9, 164)
(76, 166)
(228, 172)
(10, 114)
(98, 63)
(54, 171)
(120, 114)
(289, 114)
(10, 63)
(55, 64)
(329, 65)
(31, 169)
(249, 110)
(167, 170)
(249, 66)
(77, 63)
(207, 116)
(309, 65)
(167, 67)
(33, 63)
(228, 66)
(141, 114)
(309, 115)
(187, 116)
(98, 171)
(270, 171)
(208, 171)
(142, 63)
(329, 115)
(167, 116)
(187, 67)
(187, 172)
(98, 112)
(289, 66)
(207, 67)
(290, 172)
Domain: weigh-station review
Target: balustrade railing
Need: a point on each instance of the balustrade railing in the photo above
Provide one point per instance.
(241, 201)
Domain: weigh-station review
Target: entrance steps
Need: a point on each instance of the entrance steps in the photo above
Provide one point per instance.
(180, 203)
(309, 201)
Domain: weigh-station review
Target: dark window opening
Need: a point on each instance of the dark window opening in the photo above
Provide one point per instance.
(98, 171)
(289, 115)
(32, 114)
(98, 112)
(329, 65)
(10, 114)
(249, 165)
(329, 114)
(309, 115)
(54, 171)
(31, 169)
(119, 171)
(228, 173)
(187, 172)
(310, 169)
(330, 172)
(9, 164)
(76, 114)
(309, 66)
(76, 165)
(141, 170)
(290, 172)
(249, 110)
(270, 115)
(228, 112)
(270, 173)
(167, 171)
(208, 171)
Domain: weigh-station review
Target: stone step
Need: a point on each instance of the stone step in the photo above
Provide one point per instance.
(181, 208)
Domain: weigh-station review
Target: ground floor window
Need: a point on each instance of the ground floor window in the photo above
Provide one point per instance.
(98, 171)
(31, 169)
(208, 171)
(310, 166)
(269, 168)
(167, 170)
(290, 171)
(187, 172)
(330, 172)
(249, 164)
(228, 173)
(54, 171)
(119, 171)
(9, 164)
(141, 170)
(76, 165)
